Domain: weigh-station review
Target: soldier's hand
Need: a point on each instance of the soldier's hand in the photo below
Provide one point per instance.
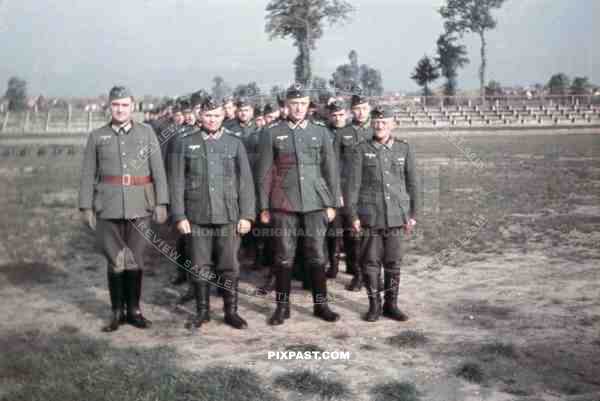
(89, 218)
(330, 214)
(160, 214)
(183, 226)
(265, 217)
(244, 226)
(409, 226)
(356, 225)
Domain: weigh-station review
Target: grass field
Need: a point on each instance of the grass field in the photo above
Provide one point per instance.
(512, 313)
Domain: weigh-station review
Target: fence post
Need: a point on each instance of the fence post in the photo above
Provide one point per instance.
(69, 111)
(89, 125)
(26, 121)
(47, 127)
(5, 122)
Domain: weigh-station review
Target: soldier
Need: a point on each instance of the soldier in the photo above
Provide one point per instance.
(297, 176)
(243, 126)
(283, 110)
(337, 121)
(259, 117)
(123, 182)
(346, 140)
(271, 114)
(230, 112)
(382, 198)
(213, 198)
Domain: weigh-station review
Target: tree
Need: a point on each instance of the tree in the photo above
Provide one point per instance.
(304, 21)
(249, 90)
(450, 57)
(425, 73)
(471, 16)
(493, 89)
(558, 84)
(348, 76)
(220, 88)
(16, 93)
(580, 86)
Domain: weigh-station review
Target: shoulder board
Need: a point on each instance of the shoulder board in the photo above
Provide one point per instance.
(403, 141)
(319, 122)
(274, 124)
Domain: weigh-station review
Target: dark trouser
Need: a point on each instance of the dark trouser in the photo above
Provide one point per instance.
(332, 241)
(123, 242)
(352, 243)
(264, 246)
(287, 227)
(214, 247)
(381, 248)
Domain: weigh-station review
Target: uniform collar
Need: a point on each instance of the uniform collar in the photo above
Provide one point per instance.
(215, 136)
(245, 125)
(302, 124)
(125, 127)
(388, 145)
(364, 125)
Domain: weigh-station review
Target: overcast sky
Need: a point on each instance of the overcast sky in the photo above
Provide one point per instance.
(168, 47)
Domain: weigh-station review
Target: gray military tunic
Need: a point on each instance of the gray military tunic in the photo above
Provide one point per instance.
(382, 190)
(134, 153)
(296, 171)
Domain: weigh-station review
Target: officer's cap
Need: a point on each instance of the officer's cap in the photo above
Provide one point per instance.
(197, 98)
(336, 105)
(243, 102)
(211, 103)
(358, 99)
(259, 111)
(295, 92)
(268, 108)
(382, 111)
(119, 92)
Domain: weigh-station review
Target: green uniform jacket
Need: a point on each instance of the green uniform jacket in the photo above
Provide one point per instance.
(382, 189)
(136, 153)
(210, 180)
(296, 169)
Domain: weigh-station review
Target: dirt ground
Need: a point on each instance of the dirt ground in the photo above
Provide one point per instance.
(502, 286)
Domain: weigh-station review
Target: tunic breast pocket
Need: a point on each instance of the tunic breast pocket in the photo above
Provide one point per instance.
(228, 161)
(194, 161)
(312, 152)
(398, 165)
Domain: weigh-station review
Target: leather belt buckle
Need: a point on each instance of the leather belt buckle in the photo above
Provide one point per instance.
(126, 180)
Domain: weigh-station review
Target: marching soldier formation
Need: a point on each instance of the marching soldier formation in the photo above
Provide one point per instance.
(215, 168)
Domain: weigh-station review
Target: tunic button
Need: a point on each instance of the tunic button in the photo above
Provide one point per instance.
(387, 172)
(124, 165)
(302, 178)
(387, 185)
(124, 154)
(122, 143)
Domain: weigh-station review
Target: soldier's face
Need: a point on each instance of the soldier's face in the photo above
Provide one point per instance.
(382, 128)
(245, 113)
(283, 112)
(338, 118)
(212, 119)
(229, 110)
(360, 112)
(270, 117)
(178, 118)
(197, 112)
(260, 121)
(121, 109)
(189, 118)
(298, 108)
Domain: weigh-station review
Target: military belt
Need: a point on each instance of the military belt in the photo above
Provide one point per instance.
(127, 179)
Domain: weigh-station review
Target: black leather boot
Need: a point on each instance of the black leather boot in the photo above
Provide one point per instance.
(230, 306)
(115, 290)
(319, 290)
(188, 295)
(333, 260)
(269, 283)
(391, 282)
(372, 287)
(356, 283)
(283, 283)
(201, 293)
(181, 274)
(133, 285)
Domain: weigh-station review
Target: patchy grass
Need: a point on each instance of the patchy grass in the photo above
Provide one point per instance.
(408, 339)
(395, 391)
(496, 350)
(471, 372)
(67, 366)
(304, 348)
(31, 274)
(313, 383)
